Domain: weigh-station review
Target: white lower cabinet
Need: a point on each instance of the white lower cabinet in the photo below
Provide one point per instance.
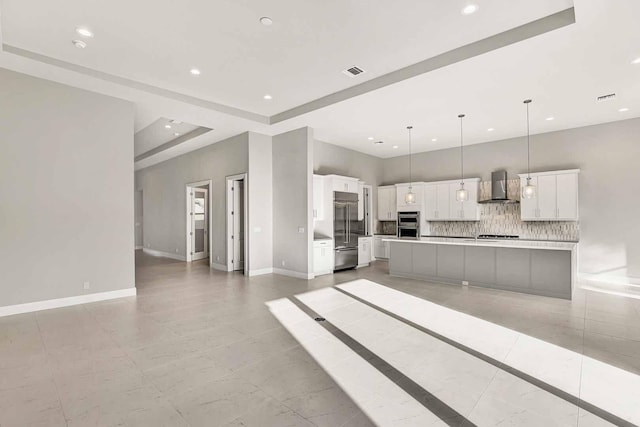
(364, 251)
(380, 248)
(322, 257)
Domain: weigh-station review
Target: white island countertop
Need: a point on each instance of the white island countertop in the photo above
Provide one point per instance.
(496, 243)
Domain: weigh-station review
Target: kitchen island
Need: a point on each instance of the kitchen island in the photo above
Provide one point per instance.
(527, 266)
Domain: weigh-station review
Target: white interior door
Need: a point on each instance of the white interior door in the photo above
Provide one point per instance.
(199, 223)
(238, 225)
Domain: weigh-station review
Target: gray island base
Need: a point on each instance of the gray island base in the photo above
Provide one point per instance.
(538, 268)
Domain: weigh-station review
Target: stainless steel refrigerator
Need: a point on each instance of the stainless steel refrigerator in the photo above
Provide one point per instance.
(345, 229)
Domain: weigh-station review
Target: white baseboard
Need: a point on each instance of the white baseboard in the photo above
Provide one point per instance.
(65, 302)
(217, 266)
(322, 273)
(153, 252)
(261, 271)
(296, 274)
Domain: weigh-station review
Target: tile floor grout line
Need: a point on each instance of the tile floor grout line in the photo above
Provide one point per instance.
(53, 380)
(415, 390)
(526, 377)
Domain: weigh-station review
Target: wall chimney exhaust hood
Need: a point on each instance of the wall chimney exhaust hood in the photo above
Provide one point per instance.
(499, 189)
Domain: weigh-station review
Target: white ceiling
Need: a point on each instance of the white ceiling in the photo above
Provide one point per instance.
(157, 134)
(300, 57)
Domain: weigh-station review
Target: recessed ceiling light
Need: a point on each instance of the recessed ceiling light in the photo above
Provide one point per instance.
(622, 110)
(469, 9)
(265, 20)
(84, 32)
(434, 139)
(268, 97)
(370, 138)
(636, 61)
(550, 118)
(167, 126)
(176, 122)
(195, 71)
(490, 130)
(395, 146)
(79, 44)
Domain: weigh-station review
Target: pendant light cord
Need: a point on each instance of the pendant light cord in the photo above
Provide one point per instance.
(461, 116)
(527, 102)
(410, 174)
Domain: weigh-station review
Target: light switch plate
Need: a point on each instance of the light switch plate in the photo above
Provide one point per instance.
(257, 229)
(301, 230)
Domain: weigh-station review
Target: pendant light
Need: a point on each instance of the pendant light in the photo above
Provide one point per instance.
(410, 196)
(529, 190)
(462, 194)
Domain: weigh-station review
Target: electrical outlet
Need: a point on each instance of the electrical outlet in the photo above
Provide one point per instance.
(465, 283)
(218, 258)
(301, 230)
(86, 285)
(177, 250)
(283, 263)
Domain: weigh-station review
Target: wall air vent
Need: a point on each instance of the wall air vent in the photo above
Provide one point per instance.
(378, 142)
(353, 71)
(609, 97)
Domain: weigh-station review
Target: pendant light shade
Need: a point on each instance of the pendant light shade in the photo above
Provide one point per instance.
(410, 196)
(462, 194)
(528, 190)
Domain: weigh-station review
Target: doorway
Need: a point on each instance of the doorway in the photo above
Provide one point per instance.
(138, 214)
(198, 220)
(236, 223)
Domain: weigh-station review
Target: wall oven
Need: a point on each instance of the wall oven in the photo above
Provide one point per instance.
(409, 225)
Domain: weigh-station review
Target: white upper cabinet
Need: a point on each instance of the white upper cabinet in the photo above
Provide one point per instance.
(441, 204)
(556, 196)
(387, 209)
(318, 197)
(546, 195)
(567, 196)
(401, 191)
(344, 184)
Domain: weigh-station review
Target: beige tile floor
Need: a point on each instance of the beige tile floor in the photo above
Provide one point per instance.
(198, 347)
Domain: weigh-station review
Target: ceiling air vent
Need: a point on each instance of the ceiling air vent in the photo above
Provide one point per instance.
(353, 71)
(378, 142)
(609, 97)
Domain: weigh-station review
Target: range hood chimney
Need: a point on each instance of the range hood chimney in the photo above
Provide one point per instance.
(499, 189)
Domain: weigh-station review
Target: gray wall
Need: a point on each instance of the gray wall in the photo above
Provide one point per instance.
(330, 159)
(607, 155)
(164, 192)
(66, 181)
(293, 200)
(260, 200)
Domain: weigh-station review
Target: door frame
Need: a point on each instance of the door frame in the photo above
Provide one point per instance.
(229, 220)
(188, 187)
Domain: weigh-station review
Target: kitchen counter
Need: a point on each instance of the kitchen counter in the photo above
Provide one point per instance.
(498, 243)
(535, 267)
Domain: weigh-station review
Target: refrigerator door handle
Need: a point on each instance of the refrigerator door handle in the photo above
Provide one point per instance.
(348, 225)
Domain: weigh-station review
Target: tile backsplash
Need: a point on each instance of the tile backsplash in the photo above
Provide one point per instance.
(498, 218)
